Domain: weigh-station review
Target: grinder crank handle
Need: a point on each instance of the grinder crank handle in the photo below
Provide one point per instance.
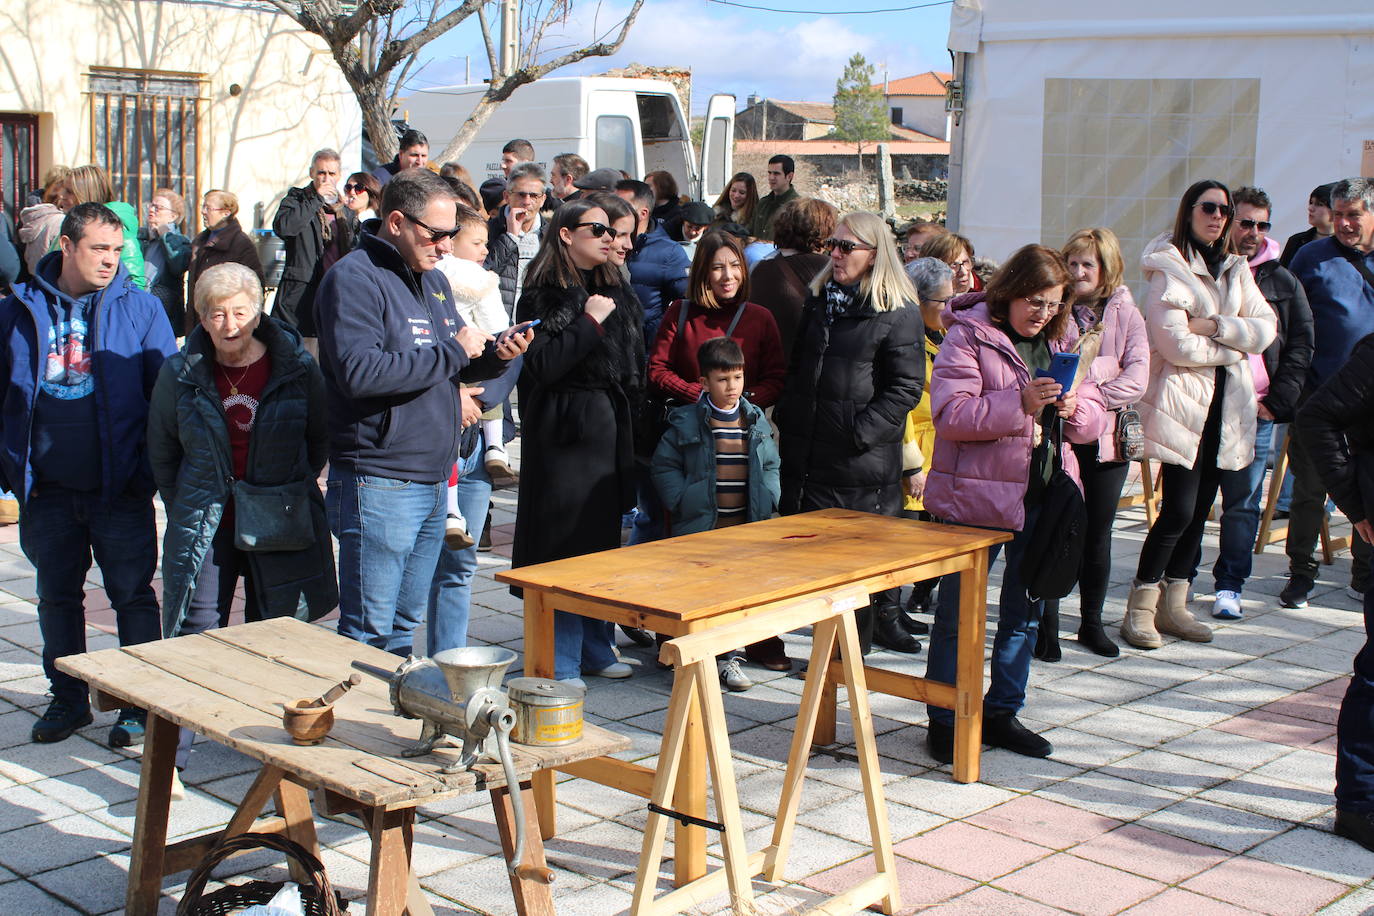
(503, 720)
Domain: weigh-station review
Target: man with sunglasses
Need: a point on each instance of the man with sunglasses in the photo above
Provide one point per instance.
(392, 349)
(1337, 273)
(317, 228)
(1279, 378)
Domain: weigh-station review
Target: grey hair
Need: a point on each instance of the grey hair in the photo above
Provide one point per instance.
(526, 170)
(928, 274)
(1353, 189)
(331, 155)
(223, 281)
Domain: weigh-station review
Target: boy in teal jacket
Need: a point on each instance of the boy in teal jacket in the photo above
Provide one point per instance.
(717, 464)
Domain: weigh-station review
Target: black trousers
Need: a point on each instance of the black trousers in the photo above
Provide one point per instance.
(1102, 485)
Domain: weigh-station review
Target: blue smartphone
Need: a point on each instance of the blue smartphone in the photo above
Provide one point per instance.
(518, 329)
(1063, 367)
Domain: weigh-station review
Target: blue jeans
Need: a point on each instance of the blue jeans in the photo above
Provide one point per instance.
(1240, 515)
(59, 531)
(1018, 619)
(649, 513)
(1355, 727)
(450, 593)
(580, 644)
(390, 533)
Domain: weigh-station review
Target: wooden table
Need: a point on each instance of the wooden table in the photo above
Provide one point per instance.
(229, 685)
(692, 583)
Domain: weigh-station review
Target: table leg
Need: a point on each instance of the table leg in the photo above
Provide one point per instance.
(826, 716)
(539, 663)
(388, 880)
(150, 817)
(293, 801)
(689, 842)
(532, 897)
(968, 678)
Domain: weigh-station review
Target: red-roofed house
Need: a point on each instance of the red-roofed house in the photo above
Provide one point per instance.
(918, 102)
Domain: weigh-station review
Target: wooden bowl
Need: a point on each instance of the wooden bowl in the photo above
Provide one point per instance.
(307, 724)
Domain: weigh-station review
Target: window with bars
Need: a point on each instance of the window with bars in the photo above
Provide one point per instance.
(144, 130)
(18, 160)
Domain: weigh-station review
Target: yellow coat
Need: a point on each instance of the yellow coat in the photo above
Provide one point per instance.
(918, 439)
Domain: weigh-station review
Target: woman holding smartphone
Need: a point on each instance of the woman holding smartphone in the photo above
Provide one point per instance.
(990, 466)
(1205, 316)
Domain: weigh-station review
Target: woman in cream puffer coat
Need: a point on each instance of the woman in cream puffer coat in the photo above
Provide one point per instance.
(1203, 315)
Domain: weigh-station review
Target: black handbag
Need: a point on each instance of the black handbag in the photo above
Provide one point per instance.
(1130, 435)
(1054, 553)
(275, 518)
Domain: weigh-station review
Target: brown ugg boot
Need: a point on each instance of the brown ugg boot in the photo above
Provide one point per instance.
(1138, 626)
(1174, 617)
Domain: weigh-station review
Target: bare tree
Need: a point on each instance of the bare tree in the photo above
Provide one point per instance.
(377, 44)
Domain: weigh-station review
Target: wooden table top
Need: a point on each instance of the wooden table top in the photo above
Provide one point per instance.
(230, 685)
(729, 569)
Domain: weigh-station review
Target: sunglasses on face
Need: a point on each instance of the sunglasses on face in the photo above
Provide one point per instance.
(1248, 224)
(845, 246)
(435, 235)
(598, 229)
(1211, 208)
(354, 188)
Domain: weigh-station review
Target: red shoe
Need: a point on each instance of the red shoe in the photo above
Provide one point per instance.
(769, 653)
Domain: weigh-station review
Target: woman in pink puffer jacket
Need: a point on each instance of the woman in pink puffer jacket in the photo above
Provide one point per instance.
(987, 472)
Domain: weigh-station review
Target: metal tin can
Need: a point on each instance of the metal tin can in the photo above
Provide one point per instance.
(547, 713)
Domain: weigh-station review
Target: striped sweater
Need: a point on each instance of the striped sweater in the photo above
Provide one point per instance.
(732, 463)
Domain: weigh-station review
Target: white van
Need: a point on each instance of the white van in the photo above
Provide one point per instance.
(634, 125)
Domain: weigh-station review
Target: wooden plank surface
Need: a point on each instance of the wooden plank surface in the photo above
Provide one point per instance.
(715, 572)
(230, 685)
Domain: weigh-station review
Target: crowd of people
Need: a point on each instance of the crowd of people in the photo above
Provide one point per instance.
(677, 366)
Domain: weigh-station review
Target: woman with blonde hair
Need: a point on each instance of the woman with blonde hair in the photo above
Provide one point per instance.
(856, 372)
(1120, 371)
(90, 184)
(223, 241)
(737, 202)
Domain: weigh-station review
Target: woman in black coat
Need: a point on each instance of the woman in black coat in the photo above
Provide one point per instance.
(1337, 423)
(221, 242)
(856, 372)
(582, 381)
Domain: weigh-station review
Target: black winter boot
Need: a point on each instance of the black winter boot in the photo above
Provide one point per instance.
(888, 631)
(1047, 639)
(1092, 636)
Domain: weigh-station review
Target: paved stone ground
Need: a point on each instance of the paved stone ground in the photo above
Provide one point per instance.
(1195, 779)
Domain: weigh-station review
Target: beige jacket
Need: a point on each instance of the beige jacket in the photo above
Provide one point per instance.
(1182, 363)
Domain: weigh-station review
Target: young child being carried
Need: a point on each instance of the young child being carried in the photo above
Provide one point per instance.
(717, 465)
(477, 298)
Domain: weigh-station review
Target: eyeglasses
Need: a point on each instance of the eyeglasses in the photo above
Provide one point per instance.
(354, 188)
(527, 195)
(846, 246)
(936, 301)
(961, 265)
(1211, 208)
(1248, 224)
(598, 229)
(435, 235)
(1036, 305)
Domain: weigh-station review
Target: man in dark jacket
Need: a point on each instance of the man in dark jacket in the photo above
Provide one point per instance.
(392, 349)
(1337, 274)
(82, 349)
(318, 228)
(413, 153)
(1337, 423)
(515, 230)
(1279, 388)
(658, 265)
(781, 171)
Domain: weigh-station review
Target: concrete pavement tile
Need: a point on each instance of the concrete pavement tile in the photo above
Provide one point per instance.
(1304, 767)
(1277, 729)
(1309, 655)
(971, 851)
(762, 792)
(938, 793)
(594, 900)
(1133, 727)
(94, 886)
(1111, 796)
(1146, 669)
(1333, 688)
(196, 813)
(1215, 825)
(919, 884)
(28, 692)
(1266, 887)
(1024, 774)
(1147, 852)
(1274, 799)
(596, 798)
(1170, 771)
(16, 663)
(1360, 903)
(811, 851)
(27, 763)
(1319, 852)
(1235, 751)
(1175, 901)
(1282, 674)
(1207, 656)
(1187, 707)
(764, 744)
(1044, 705)
(16, 726)
(1078, 748)
(1100, 688)
(23, 897)
(1314, 707)
(1044, 822)
(984, 900)
(1237, 690)
(847, 818)
(97, 787)
(840, 767)
(1239, 638)
(21, 806)
(1079, 886)
(600, 852)
(59, 842)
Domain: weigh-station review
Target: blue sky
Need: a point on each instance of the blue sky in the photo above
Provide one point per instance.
(732, 49)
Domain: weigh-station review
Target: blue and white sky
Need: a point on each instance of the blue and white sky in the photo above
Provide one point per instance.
(733, 49)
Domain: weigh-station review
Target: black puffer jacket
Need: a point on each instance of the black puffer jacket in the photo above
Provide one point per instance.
(1288, 356)
(188, 445)
(1337, 427)
(300, 226)
(851, 384)
(503, 255)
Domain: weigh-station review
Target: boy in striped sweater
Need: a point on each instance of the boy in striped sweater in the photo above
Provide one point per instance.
(717, 465)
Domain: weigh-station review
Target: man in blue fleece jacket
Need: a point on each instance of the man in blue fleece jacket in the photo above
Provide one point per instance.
(392, 349)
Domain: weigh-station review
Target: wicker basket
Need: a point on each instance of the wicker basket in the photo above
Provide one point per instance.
(319, 896)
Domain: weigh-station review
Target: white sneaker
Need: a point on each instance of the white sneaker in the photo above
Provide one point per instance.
(573, 682)
(178, 788)
(456, 535)
(733, 676)
(616, 671)
(1227, 606)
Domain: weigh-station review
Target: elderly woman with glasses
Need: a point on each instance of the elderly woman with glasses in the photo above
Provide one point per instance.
(991, 465)
(854, 376)
(223, 241)
(236, 425)
(166, 253)
(1205, 317)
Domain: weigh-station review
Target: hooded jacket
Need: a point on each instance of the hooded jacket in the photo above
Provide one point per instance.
(658, 272)
(129, 339)
(1122, 367)
(39, 227)
(188, 443)
(1183, 364)
(1287, 359)
(983, 438)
